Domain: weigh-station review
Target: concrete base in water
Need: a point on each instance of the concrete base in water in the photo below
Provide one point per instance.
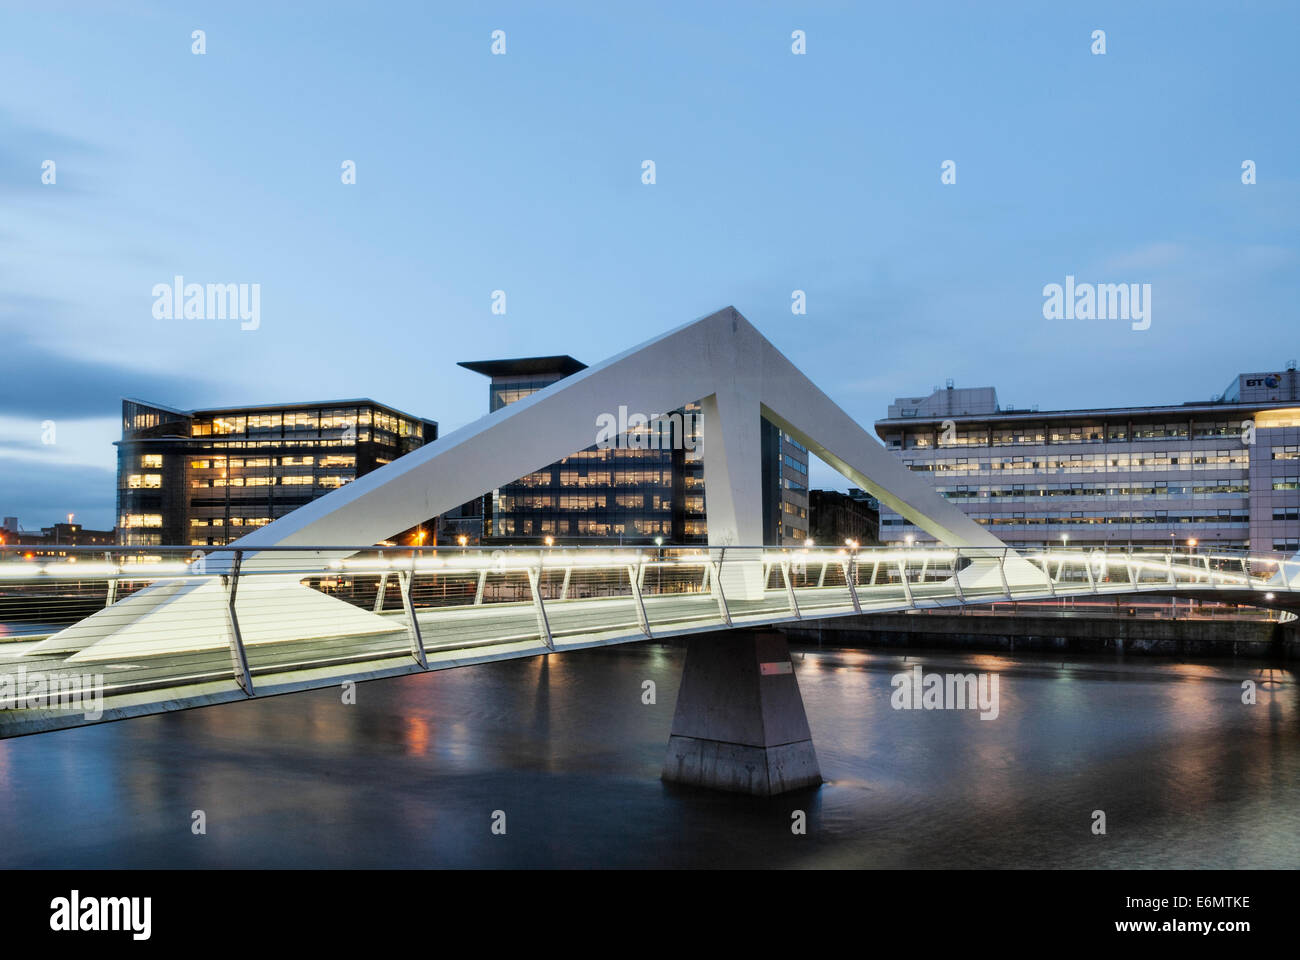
(739, 724)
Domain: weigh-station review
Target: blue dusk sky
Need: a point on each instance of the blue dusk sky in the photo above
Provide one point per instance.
(522, 172)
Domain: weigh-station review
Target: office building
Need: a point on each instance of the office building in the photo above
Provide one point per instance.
(1222, 473)
(835, 517)
(642, 479)
(207, 477)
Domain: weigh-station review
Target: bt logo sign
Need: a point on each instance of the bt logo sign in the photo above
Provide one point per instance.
(1271, 381)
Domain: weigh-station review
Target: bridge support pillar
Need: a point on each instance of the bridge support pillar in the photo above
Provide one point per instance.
(740, 724)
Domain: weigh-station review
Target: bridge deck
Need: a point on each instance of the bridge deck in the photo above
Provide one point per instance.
(462, 635)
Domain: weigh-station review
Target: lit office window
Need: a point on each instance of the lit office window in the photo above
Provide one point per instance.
(130, 520)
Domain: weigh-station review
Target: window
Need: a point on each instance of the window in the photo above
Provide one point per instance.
(140, 520)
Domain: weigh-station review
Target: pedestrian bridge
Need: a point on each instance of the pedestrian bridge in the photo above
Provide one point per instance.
(308, 618)
(286, 608)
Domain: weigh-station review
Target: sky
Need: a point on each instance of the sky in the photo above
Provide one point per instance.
(523, 172)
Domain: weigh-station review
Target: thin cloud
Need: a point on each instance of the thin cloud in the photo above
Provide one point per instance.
(42, 383)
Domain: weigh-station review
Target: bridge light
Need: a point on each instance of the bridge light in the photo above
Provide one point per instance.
(806, 543)
(462, 539)
(550, 541)
(659, 541)
(1268, 596)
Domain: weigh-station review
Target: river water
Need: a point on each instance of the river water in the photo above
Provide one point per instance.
(412, 774)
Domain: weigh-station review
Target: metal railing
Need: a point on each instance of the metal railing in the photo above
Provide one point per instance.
(158, 625)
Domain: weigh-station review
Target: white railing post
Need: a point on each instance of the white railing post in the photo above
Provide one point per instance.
(406, 583)
(482, 582)
(635, 575)
(789, 589)
(956, 581)
(851, 581)
(1002, 572)
(379, 597)
(111, 597)
(716, 584)
(535, 587)
(907, 587)
(238, 658)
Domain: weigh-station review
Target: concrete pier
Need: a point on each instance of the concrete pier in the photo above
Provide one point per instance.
(739, 724)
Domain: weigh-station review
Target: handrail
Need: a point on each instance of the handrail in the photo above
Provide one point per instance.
(157, 616)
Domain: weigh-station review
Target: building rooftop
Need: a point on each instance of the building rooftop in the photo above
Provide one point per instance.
(1175, 410)
(296, 405)
(564, 365)
(1261, 392)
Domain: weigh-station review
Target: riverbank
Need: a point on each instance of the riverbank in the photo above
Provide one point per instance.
(1189, 638)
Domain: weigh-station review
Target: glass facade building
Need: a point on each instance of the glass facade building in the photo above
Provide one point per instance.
(647, 484)
(207, 477)
(1224, 472)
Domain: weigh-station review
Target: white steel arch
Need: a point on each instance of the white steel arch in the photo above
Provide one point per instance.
(719, 360)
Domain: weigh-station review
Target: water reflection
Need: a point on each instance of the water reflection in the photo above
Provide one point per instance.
(410, 773)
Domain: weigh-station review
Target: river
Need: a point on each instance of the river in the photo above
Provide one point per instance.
(413, 773)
